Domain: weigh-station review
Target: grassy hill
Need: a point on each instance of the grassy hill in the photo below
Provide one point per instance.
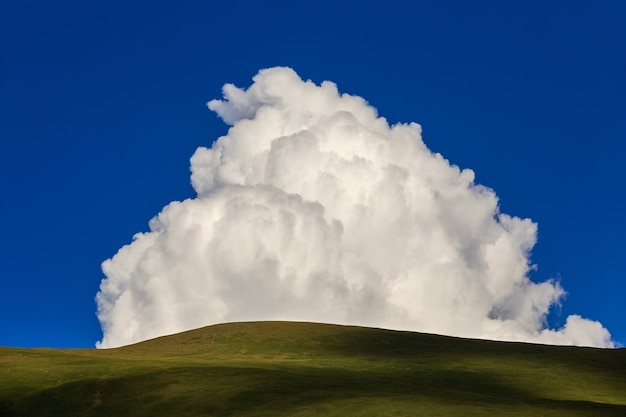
(305, 369)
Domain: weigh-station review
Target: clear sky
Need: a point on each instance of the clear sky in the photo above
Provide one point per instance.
(103, 103)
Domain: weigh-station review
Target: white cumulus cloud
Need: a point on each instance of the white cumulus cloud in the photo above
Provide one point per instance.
(314, 208)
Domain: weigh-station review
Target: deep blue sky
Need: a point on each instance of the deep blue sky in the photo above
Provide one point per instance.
(103, 103)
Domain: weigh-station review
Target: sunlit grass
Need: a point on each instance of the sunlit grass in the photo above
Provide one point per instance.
(304, 369)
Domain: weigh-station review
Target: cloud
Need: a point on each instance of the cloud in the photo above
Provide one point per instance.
(313, 208)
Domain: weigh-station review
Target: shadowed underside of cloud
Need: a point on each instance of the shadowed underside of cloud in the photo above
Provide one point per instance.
(313, 208)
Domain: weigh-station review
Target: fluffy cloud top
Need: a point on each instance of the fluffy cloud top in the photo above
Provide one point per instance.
(313, 208)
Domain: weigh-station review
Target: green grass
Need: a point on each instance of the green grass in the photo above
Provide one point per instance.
(305, 369)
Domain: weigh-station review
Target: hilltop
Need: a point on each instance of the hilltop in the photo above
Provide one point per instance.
(307, 369)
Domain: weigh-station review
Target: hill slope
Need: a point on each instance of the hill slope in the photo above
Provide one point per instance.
(305, 369)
